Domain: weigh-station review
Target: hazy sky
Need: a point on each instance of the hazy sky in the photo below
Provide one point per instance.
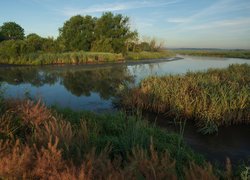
(182, 23)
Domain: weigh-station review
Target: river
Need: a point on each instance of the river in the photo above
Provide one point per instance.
(93, 87)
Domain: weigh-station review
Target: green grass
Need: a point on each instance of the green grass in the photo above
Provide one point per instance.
(245, 54)
(80, 57)
(148, 55)
(213, 98)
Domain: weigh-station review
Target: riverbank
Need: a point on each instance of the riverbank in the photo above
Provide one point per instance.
(244, 54)
(40, 142)
(212, 99)
(81, 57)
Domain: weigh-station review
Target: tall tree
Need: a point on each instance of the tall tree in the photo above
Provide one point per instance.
(11, 30)
(114, 29)
(34, 42)
(78, 33)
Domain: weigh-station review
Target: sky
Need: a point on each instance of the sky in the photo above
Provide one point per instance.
(180, 23)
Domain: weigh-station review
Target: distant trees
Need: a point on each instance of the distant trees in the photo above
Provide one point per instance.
(78, 33)
(147, 44)
(11, 30)
(114, 31)
(105, 34)
(108, 33)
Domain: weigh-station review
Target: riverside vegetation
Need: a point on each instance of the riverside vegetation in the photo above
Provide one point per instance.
(82, 39)
(51, 143)
(245, 54)
(213, 98)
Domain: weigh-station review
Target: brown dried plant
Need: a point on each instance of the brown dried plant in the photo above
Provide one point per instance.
(55, 128)
(15, 162)
(34, 113)
(7, 126)
(153, 165)
(196, 172)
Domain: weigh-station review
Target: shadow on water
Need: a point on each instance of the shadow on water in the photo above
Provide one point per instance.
(231, 141)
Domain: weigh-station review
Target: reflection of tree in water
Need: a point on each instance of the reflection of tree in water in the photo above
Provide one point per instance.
(79, 82)
(20, 75)
(103, 81)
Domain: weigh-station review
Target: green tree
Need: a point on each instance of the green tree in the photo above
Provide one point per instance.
(34, 42)
(102, 45)
(50, 45)
(114, 28)
(78, 33)
(11, 30)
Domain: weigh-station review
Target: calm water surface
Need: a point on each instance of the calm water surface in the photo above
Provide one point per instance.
(93, 88)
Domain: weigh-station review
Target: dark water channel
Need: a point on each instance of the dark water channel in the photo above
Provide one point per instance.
(93, 87)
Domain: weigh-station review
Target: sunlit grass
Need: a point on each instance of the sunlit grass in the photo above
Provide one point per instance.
(149, 55)
(213, 98)
(245, 54)
(80, 57)
(63, 144)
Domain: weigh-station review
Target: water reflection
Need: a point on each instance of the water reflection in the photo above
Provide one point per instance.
(74, 87)
(31, 75)
(92, 87)
(104, 81)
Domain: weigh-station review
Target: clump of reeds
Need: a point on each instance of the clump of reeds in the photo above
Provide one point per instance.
(213, 98)
(81, 145)
(80, 57)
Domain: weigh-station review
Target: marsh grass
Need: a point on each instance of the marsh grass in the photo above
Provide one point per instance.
(80, 57)
(148, 55)
(213, 98)
(83, 145)
(245, 54)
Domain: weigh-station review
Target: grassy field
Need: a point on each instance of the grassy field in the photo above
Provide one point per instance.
(213, 98)
(245, 54)
(38, 142)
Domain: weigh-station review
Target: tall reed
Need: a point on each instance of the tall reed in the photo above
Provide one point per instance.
(213, 98)
(83, 145)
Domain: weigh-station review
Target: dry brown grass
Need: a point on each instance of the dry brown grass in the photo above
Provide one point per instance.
(32, 112)
(196, 172)
(46, 152)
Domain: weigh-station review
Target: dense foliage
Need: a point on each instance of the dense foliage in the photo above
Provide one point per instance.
(109, 33)
(78, 33)
(11, 30)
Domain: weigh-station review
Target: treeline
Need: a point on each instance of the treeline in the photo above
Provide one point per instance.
(108, 33)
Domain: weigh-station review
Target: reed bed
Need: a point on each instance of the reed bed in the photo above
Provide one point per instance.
(213, 98)
(41, 143)
(80, 57)
(149, 55)
(245, 54)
